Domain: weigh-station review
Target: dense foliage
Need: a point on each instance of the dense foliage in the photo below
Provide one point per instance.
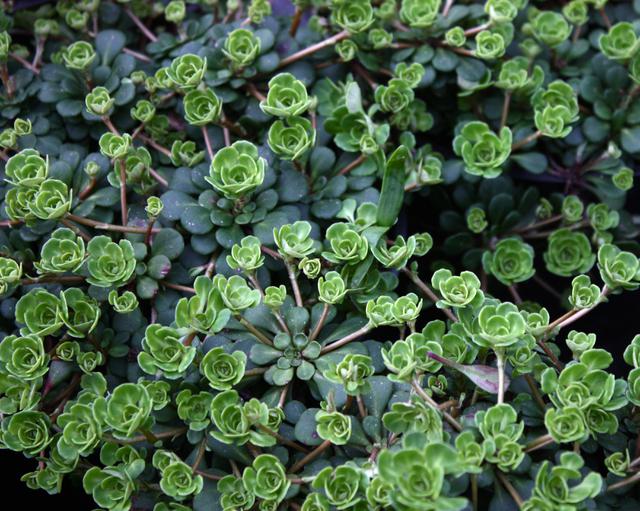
(221, 288)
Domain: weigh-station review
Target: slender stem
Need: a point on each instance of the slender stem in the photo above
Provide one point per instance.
(311, 456)
(155, 145)
(206, 475)
(147, 236)
(625, 482)
(509, 487)
(538, 280)
(52, 279)
(6, 80)
(207, 142)
(362, 410)
(178, 287)
(188, 340)
(256, 371)
(136, 55)
(514, 293)
(108, 227)
(348, 168)
(320, 323)
(86, 191)
(475, 30)
(143, 28)
(584, 312)
(605, 18)
(505, 109)
(555, 323)
(270, 252)
(426, 397)
(10, 223)
(77, 230)
(294, 283)
(199, 456)
(253, 90)
(427, 291)
(281, 439)
(38, 53)
(500, 366)
(143, 438)
(541, 223)
(107, 122)
(331, 41)
(25, 63)
(345, 340)
(526, 140)
(295, 22)
(283, 395)
(123, 191)
(538, 443)
(257, 333)
(537, 397)
(158, 177)
(447, 7)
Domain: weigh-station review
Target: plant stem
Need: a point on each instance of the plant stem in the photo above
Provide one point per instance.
(330, 41)
(294, 283)
(206, 475)
(541, 223)
(447, 8)
(526, 140)
(349, 167)
(625, 482)
(270, 252)
(320, 323)
(143, 438)
(281, 439)
(537, 397)
(295, 22)
(257, 333)
(256, 371)
(207, 142)
(52, 279)
(77, 230)
(123, 191)
(427, 291)
(253, 90)
(143, 28)
(509, 487)
(539, 442)
(500, 366)
(108, 227)
(136, 55)
(86, 191)
(201, 449)
(311, 456)
(505, 109)
(345, 340)
(514, 293)
(583, 312)
(107, 122)
(177, 287)
(158, 178)
(25, 63)
(475, 30)
(155, 145)
(426, 397)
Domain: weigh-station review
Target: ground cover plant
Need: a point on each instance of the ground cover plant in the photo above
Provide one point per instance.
(280, 256)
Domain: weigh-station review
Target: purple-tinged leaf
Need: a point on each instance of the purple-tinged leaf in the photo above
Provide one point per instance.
(485, 377)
